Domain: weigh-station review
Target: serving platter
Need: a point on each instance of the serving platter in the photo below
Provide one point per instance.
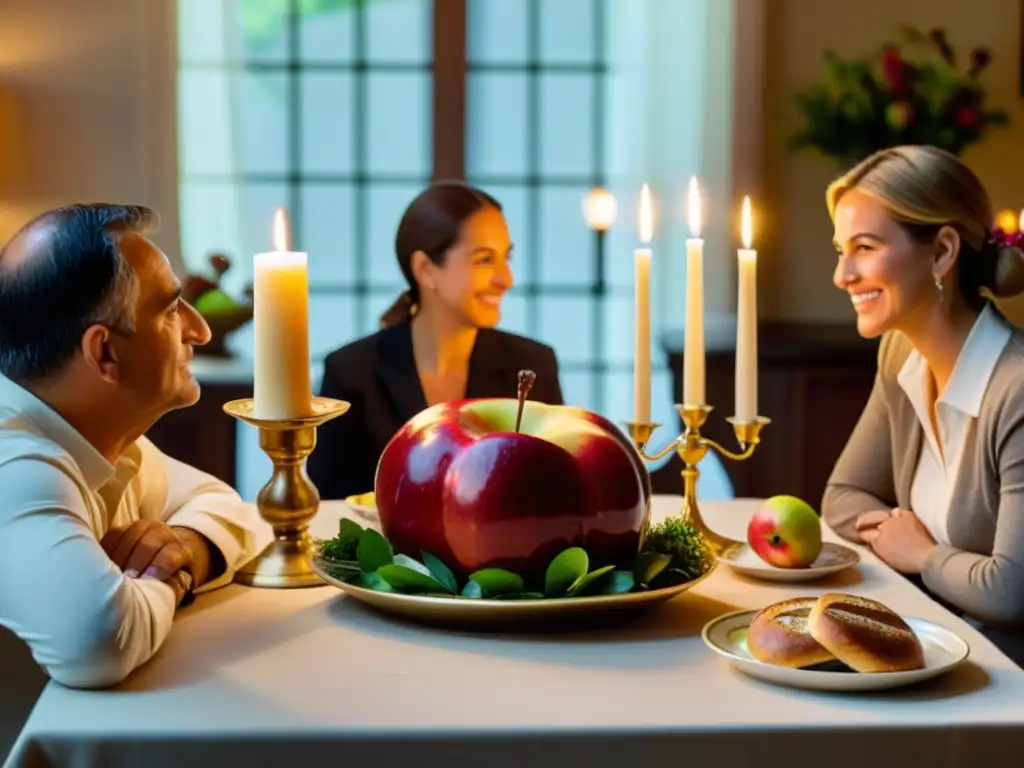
(483, 613)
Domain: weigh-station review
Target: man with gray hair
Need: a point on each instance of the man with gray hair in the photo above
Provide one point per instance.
(102, 537)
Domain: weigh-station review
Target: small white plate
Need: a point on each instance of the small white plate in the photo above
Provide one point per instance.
(833, 559)
(943, 650)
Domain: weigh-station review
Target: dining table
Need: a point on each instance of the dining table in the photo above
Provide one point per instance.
(313, 677)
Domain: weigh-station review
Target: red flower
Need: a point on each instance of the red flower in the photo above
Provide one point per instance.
(896, 72)
(968, 117)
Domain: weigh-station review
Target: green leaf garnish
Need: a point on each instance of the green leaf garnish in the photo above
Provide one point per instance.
(440, 571)
(373, 551)
(617, 583)
(340, 550)
(583, 582)
(347, 528)
(345, 571)
(411, 562)
(568, 566)
(648, 565)
(375, 582)
(678, 537)
(416, 565)
(495, 582)
(472, 590)
(673, 552)
(343, 546)
(405, 579)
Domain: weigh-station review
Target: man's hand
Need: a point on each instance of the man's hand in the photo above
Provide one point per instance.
(147, 547)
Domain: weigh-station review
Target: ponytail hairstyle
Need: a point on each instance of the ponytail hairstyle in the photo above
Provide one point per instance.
(432, 223)
(924, 189)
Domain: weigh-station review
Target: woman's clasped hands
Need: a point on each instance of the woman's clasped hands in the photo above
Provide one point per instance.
(898, 537)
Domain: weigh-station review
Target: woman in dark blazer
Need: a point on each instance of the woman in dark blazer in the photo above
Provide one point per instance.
(437, 342)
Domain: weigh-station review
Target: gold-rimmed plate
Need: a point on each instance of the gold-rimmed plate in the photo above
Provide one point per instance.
(480, 613)
(833, 559)
(944, 649)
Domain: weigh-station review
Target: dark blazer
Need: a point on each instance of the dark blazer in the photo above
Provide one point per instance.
(377, 375)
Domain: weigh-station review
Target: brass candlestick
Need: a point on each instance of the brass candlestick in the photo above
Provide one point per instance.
(289, 500)
(692, 447)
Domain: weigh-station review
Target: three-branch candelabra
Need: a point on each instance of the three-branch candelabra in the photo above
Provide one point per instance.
(692, 447)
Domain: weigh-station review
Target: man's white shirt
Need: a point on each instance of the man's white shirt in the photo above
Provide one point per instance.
(86, 623)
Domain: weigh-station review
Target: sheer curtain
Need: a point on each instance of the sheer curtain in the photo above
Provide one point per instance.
(670, 93)
(212, 180)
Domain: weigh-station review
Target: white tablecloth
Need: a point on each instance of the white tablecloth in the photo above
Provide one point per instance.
(307, 677)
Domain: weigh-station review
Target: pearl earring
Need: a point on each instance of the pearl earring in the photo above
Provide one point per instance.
(939, 288)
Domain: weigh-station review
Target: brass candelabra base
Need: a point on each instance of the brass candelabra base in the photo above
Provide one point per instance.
(692, 447)
(289, 500)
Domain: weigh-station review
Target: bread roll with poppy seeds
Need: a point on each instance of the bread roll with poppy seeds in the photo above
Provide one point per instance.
(864, 634)
(779, 634)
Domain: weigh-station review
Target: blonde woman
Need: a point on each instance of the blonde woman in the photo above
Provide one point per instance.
(932, 477)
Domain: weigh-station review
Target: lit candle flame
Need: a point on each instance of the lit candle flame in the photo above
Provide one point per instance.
(746, 226)
(693, 204)
(646, 215)
(282, 232)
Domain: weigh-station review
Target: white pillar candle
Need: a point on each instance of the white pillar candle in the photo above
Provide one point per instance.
(693, 351)
(281, 380)
(746, 324)
(642, 325)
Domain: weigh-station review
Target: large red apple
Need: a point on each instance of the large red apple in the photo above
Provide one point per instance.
(459, 482)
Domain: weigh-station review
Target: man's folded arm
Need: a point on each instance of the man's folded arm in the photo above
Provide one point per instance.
(183, 496)
(86, 624)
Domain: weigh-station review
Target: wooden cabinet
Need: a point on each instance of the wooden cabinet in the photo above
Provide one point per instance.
(814, 381)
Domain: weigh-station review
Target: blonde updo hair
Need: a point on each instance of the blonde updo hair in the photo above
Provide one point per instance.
(925, 188)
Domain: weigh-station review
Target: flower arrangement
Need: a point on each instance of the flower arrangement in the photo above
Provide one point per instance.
(916, 92)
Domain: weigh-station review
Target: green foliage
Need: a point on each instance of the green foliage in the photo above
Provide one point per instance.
(344, 545)
(674, 552)
(373, 551)
(680, 540)
(914, 91)
(648, 566)
(565, 570)
(493, 582)
(440, 572)
(405, 579)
